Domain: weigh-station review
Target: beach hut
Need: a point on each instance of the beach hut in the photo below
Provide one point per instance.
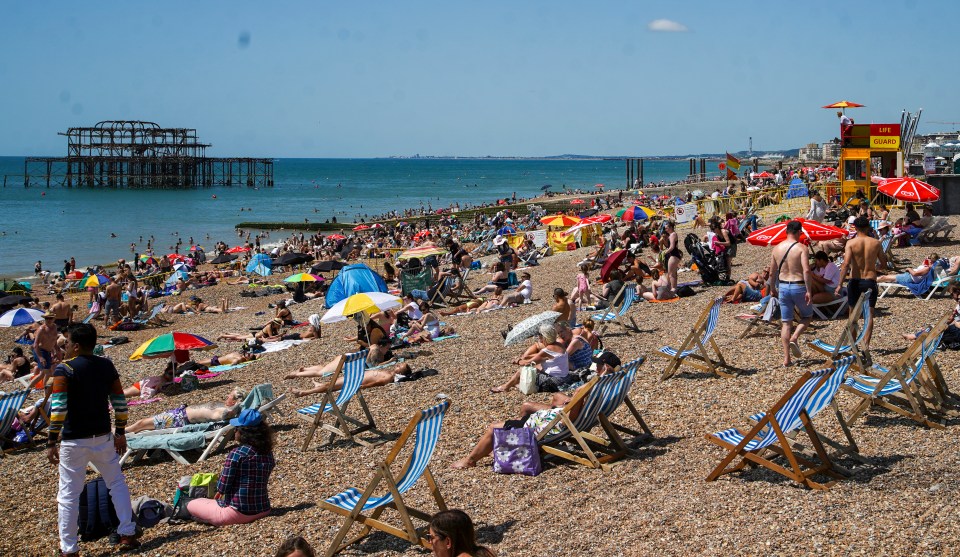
(353, 279)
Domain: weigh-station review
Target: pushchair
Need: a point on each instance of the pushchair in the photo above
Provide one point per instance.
(713, 269)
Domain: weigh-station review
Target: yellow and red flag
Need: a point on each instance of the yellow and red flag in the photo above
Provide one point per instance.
(733, 165)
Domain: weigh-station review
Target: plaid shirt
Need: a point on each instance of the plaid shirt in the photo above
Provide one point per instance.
(243, 481)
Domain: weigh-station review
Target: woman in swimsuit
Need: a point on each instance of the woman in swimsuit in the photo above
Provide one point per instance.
(17, 365)
(499, 278)
(673, 254)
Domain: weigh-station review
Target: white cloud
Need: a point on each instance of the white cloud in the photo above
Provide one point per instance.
(667, 26)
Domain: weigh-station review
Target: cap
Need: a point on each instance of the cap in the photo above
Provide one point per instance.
(608, 358)
(247, 418)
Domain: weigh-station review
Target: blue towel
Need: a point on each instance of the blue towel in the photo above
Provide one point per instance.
(921, 288)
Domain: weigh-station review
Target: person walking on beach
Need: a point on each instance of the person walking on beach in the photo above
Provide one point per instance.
(62, 313)
(45, 344)
(83, 385)
(790, 282)
(862, 255)
(112, 305)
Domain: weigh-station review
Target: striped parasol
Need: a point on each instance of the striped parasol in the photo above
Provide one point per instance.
(422, 251)
(164, 346)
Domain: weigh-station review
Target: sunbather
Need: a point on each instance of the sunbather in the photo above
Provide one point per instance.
(498, 278)
(17, 365)
(914, 275)
(562, 305)
(270, 330)
(534, 415)
(748, 289)
(228, 359)
(371, 377)
(553, 365)
(427, 327)
(196, 414)
(467, 307)
(660, 287)
(150, 386)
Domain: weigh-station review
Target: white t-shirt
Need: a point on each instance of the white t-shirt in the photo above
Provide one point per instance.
(830, 273)
(525, 289)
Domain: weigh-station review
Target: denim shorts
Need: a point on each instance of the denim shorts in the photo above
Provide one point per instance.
(750, 294)
(793, 296)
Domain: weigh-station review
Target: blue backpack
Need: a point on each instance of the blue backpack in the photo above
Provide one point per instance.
(98, 518)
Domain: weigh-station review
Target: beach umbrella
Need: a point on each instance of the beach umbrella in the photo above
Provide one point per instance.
(180, 266)
(148, 260)
(507, 230)
(336, 237)
(528, 327)
(175, 257)
(94, 281)
(261, 270)
(613, 261)
(367, 302)
(14, 299)
(361, 227)
(844, 105)
(546, 187)
(177, 275)
(223, 258)
(325, 266)
(635, 213)
(811, 230)
(259, 259)
(764, 174)
(599, 186)
(75, 275)
(164, 346)
(425, 250)
(20, 316)
(909, 189)
(402, 223)
(588, 221)
(565, 221)
(303, 277)
(238, 249)
(292, 258)
(376, 225)
(577, 202)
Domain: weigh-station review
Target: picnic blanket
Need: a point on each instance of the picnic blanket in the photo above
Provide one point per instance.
(280, 345)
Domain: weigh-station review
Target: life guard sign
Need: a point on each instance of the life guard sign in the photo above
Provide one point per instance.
(885, 136)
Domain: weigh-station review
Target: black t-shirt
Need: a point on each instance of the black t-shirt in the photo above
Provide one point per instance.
(90, 382)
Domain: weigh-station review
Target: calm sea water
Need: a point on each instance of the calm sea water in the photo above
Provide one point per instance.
(58, 223)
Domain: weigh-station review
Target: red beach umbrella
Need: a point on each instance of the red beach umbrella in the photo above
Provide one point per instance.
(764, 174)
(361, 227)
(336, 237)
(843, 105)
(613, 261)
(599, 186)
(811, 230)
(75, 275)
(577, 202)
(238, 249)
(909, 189)
(597, 219)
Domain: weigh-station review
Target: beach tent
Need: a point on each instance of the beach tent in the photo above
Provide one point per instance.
(259, 259)
(12, 286)
(353, 279)
(798, 188)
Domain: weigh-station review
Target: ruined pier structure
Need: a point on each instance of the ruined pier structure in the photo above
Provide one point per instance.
(133, 154)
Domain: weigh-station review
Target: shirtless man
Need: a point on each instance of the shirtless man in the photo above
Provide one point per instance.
(197, 414)
(62, 312)
(790, 282)
(562, 306)
(112, 305)
(371, 377)
(45, 345)
(861, 256)
(229, 359)
(748, 289)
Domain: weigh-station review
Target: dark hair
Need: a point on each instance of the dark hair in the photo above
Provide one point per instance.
(456, 526)
(559, 293)
(794, 227)
(821, 255)
(259, 436)
(862, 224)
(84, 335)
(295, 543)
(18, 351)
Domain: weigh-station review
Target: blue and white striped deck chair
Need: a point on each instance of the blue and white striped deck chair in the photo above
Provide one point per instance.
(618, 315)
(770, 434)
(851, 336)
(334, 402)
(353, 504)
(629, 370)
(897, 388)
(10, 404)
(693, 351)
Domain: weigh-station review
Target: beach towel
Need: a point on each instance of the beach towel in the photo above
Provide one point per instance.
(223, 368)
(671, 300)
(438, 339)
(142, 401)
(280, 345)
(390, 363)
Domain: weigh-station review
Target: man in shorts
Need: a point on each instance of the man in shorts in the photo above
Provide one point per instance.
(790, 282)
(861, 256)
(45, 344)
(62, 312)
(196, 414)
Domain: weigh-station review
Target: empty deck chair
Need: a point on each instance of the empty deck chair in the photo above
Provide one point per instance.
(770, 435)
(767, 318)
(851, 336)
(419, 278)
(353, 504)
(618, 315)
(897, 389)
(693, 350)
(623, 398)
(352, 367)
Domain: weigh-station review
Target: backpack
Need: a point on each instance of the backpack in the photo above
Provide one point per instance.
(98, 518)
(148, 512)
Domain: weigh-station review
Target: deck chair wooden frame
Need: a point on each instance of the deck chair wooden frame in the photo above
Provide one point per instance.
(851, 335)
(644, 434)
(936, 393)
(455, 295)
(693, 350)
(335, 402)
(769, 434)
(427, 424)
(831, 310)
(764, 318)
(898, 388)
(618, 314)
(10, 404)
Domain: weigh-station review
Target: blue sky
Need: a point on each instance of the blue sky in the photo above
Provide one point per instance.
(357, 79)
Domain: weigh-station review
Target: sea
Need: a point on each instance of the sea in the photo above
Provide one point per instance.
(100, 225)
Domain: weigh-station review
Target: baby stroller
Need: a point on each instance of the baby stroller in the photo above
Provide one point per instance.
(712, 267)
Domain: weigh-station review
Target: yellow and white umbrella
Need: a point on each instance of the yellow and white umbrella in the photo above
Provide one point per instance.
(367, 302)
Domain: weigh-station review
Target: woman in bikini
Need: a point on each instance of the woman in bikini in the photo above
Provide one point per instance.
(673, 255)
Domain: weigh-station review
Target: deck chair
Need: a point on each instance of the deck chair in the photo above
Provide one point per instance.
(630, 372)
(693, 350)
(421, 279)
(770, 435)
(352, 367)
(941, 281)
(10, 404)
(768, 318)
(151, 318)
(830, 310)
(618, 315)
(208, 437)
(897, 388)
(353, 503)
(851, 336)
(453, 292)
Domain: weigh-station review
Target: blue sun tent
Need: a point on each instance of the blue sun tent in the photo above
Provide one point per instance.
(797, 189)
(353, 279)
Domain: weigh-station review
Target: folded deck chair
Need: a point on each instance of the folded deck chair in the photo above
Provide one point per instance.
(352, 367)
(354, 504)
(693, 350)
(897, 389)
(770, 435)
(851, 336)
(618, 315)
(208, 437)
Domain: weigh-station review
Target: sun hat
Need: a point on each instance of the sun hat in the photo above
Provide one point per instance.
(49, 315)
(247, 418)
(499, 240)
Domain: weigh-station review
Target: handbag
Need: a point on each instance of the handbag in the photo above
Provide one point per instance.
(528, 380)
(515, 451)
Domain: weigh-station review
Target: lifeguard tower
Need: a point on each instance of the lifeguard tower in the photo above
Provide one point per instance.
(870, 153)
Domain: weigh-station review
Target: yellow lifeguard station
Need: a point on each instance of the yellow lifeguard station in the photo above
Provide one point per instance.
(868, 151)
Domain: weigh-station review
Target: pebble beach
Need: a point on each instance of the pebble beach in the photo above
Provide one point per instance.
(654, 501)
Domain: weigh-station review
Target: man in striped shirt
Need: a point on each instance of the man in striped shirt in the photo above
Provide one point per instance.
(82, 386)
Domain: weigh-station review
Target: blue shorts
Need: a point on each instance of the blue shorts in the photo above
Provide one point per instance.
(43, 358)
(751, 295)
(793, 296)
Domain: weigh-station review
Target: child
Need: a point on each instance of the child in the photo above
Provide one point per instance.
(582, 292)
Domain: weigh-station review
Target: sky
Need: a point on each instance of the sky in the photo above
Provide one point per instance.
(374, 79)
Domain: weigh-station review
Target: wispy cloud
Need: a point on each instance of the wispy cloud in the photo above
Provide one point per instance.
(666, 26)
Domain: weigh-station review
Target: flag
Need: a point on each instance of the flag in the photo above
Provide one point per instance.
(733, 165)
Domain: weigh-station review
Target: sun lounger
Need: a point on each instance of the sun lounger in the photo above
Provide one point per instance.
(769, 434)
(693, 350)
(941, 282)
(352, 367)
(354, 504)
(627, 295)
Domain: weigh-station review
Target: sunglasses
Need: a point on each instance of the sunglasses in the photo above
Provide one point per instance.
(430, 537)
